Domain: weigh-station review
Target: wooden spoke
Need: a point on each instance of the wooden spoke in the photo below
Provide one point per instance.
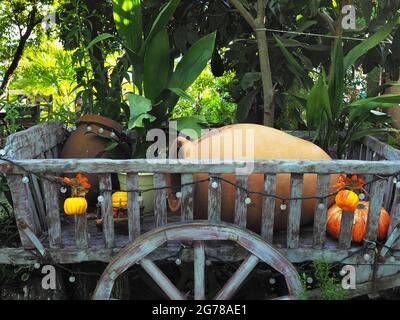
(237, 279)
(199, 270)
(162, 280)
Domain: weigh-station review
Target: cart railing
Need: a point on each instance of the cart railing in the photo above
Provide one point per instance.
(37, 203)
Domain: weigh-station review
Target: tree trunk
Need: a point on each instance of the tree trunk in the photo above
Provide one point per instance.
(18, 53)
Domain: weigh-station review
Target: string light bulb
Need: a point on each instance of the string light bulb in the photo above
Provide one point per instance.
(71, 279)
(2, 152)
(361, 196)
(100, 199)
(63, 189)
(112, 134)
(283, 206)
(36, 265)
(247, 200)
(178, 262)
(321, 206)
(394, 180)
(101, 130)
(366, 257)
(88, 128)
(310, 280)
(272, 281)
(178, 195)
(342, 273)
(214, 184)
(25, 180)
(140, 198)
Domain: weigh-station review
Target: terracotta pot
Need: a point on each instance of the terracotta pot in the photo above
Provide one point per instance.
(269, 144)
(87, 142)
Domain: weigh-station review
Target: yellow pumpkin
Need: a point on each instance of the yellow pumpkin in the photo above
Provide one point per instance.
(120, 200)
(75, 206)
(347, 200)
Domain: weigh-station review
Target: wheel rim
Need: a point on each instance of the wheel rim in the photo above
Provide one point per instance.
(199, 231)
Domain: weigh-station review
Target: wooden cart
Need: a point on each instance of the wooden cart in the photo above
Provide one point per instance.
(159, 236)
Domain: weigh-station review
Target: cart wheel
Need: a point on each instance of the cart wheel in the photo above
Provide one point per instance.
(198, 231)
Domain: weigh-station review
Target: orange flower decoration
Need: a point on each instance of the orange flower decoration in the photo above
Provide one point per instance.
(83, 180)
(352, 183)
(79, 185)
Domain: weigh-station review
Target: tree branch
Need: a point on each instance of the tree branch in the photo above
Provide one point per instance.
(246, 14)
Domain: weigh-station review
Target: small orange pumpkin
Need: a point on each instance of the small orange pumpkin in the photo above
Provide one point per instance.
(334, 218)
(347, 200)
(75, 206)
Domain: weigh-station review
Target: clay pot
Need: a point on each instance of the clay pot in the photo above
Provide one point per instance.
(269, 144)
(87, 142)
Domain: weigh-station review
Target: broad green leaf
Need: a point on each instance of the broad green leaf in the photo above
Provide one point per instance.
(380, 89)
(193, 62)
(317, 103)
(386, 99)
(128, 21)
(139, 107)
(162, 20)
(293, 65)
(336, 79)
(138, 122)
(244, 105)
(249, 79)
(361, 49)
(195, 123)
(179, 92)
(156, 66)
(99, 38)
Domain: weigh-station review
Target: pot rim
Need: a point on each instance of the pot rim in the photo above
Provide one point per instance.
(100, 120)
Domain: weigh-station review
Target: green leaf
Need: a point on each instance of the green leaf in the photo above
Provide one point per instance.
(139, 107)
(195, 123)
(111, 146)
(162, 20)
(128, 21)
(249, 79)
(317, 103)
(156, 66)
(384, 100)
(361, 49)
(293, 65)
(336, 79)
(244, 105)
(193, 62)
(179, 92)
(100, 37)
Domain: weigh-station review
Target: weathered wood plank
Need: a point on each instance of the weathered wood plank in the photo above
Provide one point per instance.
(320, 213)
(214, 200)
(187, 198)
(160, 200)
(237, 279)
(51, 198)
(133, 206)
(193, 166)
(106, 209)
(81, 234)
(30, 143)
(395, 210)
(375, 205)
(388, 194)
(22, 208)
(240, 205)
(162, 280)
(293, 229)
(268, 209)
(346, 228)
(38, 199)
(381, 148)
(199, 270)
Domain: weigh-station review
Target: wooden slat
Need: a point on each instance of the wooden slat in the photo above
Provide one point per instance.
(187, 198)
(346, 228)
(355, 152)
(22, 207)
(30, 143)
(199, 270)
(162, 280)
(81, 233)
(133, 206)
(293, 230)
(388, 194)
(160, 200)
(320, 213)
(190, 166)
(237, 279)
(268, 208)
(395, 211)
(375, 205)
(381, 148)
(240, 205)
(106, 210)
(37, 197)
(214, 201)
(51, 198)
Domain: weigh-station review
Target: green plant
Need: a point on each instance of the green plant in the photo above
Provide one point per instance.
(328, 283)
(336, 120)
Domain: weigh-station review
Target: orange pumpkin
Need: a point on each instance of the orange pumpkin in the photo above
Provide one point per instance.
(347, 200)
(334, 218)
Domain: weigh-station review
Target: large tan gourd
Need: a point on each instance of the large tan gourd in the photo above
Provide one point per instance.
(269, 144)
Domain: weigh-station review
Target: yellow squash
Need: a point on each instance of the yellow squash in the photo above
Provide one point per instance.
(75, 206)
